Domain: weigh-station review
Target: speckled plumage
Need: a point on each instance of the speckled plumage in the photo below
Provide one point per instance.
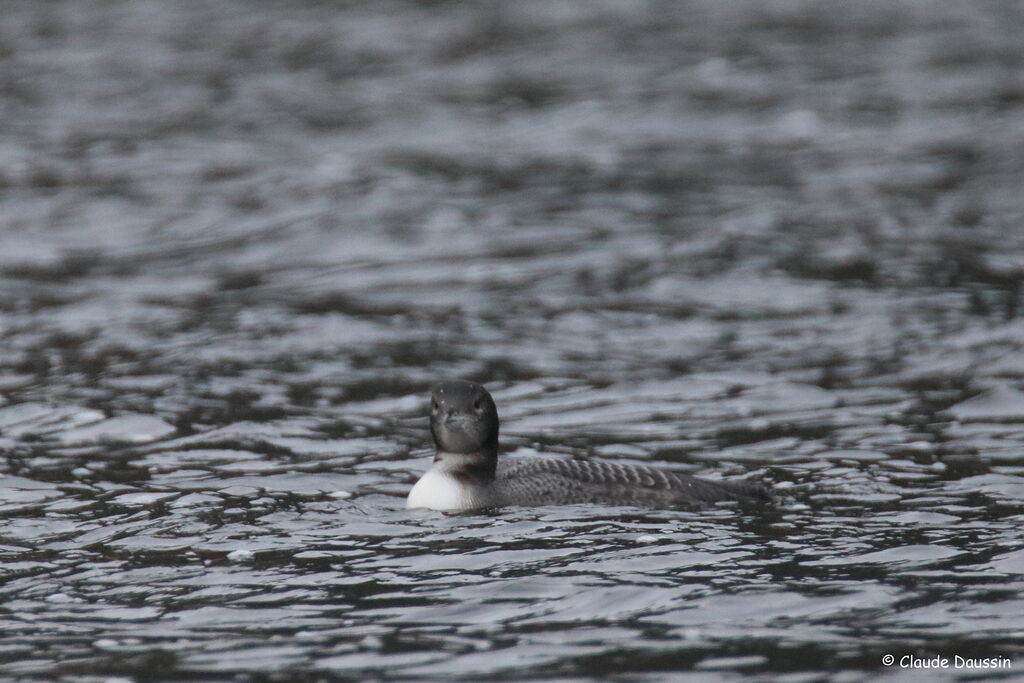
(467, 473)
(554, 481)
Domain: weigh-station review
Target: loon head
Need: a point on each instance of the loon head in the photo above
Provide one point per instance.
(463, 419)
(464, 423)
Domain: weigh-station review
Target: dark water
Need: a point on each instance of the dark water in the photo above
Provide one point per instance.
(778, 240)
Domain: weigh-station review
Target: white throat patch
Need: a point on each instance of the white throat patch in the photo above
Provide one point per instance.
(439, 490)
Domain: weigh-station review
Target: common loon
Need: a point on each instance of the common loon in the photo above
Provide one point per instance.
(468, 475)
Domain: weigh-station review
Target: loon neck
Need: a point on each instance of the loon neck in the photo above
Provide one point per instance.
(468, 468)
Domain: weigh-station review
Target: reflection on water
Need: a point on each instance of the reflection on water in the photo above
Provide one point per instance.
(772, 241)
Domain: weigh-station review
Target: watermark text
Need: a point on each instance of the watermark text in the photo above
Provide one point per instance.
(939, 662)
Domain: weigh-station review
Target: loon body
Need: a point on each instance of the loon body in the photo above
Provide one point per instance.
(468, 475)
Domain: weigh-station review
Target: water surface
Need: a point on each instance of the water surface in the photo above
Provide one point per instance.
(239, 241)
